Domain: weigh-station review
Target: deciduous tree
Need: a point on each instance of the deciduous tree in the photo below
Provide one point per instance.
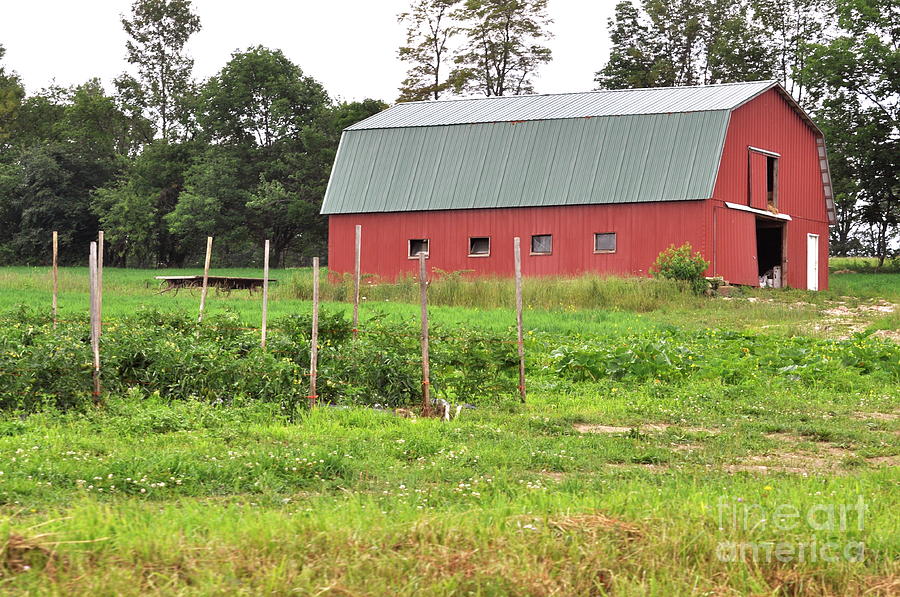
(665, 44)
(11, 94)
(158, 31)
(854, 80)
(503, 47)
(260, 98)
(430, 25)
(791, 26)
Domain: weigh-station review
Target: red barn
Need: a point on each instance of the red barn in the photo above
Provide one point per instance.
(592, 182)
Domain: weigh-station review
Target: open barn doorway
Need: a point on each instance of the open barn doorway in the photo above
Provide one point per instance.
(770, 252)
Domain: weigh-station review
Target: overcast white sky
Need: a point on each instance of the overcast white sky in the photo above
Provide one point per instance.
(348, 45)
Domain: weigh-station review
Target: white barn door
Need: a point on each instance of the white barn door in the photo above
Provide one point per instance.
(812, 261)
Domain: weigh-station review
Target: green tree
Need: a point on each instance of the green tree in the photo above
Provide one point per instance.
(260, 98)
(736, 46)
(429, 28)
(131, 101)
(854, 80)
(10, 208)
(503, 47)
(39, 118)
(281, 128)
(128, 219)
(11, 94)
(348, 113)
(158, 31)
(791, 26)
(213, 204)
(632, 56)
(94, 123)
(54, 193)
(677, 36)
(156, 176)
(665, 44)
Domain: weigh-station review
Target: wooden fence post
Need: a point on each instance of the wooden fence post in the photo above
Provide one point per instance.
(55, 274)
(265, 297)
(205, 288)
(426, 367)
(356, 273)
(95, 320)
(314, 337)
(100, 284)
(521, 339)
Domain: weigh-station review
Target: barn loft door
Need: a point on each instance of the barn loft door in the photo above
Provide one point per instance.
(758, 180)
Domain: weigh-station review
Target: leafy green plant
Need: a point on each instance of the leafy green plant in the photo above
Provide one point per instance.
(681, 263)
(169, 355)
(729, 357)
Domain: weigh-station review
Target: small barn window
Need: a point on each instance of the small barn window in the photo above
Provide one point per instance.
(479, 246)
(605, 242)
(541, 244)
(418, 246)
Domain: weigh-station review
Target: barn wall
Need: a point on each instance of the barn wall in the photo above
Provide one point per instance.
(733, 246)
(768, 122)
(796, 252)
(642, 231)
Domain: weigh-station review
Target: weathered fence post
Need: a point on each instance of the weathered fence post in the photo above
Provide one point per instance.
(55, 274)
(95, 320)
(426, 368)
(314, 337)
(357, 250)
(265, 297)
(100, 284)
(521, 339)
(205, 288)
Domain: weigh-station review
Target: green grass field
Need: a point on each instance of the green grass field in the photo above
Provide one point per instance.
(634, 482)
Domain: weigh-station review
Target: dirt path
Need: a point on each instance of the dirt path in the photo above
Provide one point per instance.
(847, 319)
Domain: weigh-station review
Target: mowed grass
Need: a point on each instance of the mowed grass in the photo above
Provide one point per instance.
(609, 487)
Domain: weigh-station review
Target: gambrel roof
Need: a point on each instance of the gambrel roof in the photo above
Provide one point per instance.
(599, 147)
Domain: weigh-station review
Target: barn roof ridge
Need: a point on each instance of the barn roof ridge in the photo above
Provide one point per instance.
(556, 106)
(588, 92)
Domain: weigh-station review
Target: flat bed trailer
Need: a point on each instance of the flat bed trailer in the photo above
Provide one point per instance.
(226, 283)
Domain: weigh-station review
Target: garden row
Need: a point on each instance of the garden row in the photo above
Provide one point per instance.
(221, 361)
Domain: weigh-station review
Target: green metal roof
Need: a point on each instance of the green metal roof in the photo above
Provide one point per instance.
(567, 161)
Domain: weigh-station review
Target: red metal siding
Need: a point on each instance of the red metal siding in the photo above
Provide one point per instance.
(733, 254)
(642, 231)
(768, 122)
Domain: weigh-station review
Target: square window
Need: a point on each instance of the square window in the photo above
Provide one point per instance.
(479, 246)
(541, 244)
(605, 242)
(418, 246)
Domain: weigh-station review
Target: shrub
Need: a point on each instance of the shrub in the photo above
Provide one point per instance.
(680, 263)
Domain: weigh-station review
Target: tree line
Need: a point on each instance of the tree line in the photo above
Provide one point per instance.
(162, 160)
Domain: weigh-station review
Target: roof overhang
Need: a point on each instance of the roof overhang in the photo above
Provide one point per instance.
(760, 212)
